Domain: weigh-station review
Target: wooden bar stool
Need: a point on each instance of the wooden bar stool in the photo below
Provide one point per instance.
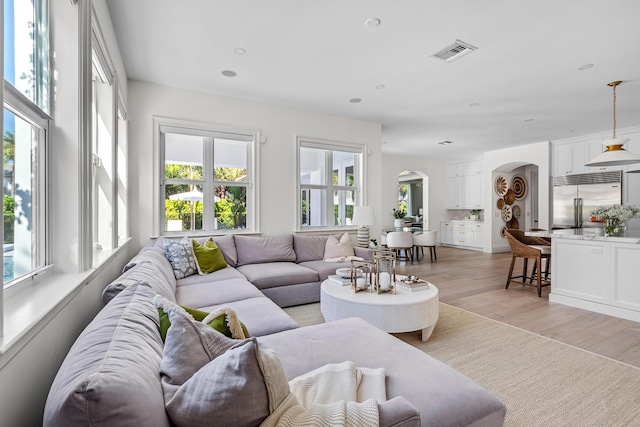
(528, 248)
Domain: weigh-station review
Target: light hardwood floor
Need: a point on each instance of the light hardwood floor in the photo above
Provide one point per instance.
(475, 281)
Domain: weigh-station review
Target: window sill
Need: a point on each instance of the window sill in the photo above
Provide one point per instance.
(27, 311)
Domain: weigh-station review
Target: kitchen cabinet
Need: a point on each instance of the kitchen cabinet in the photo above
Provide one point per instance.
(464, 185)
(446, 232)
(598, 275)
(568, 158)
(463, 234)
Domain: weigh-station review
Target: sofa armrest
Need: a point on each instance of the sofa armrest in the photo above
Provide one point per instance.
(365, 253)
(398, 412)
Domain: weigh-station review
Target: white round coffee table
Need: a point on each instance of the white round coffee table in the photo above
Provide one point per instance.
(403, 312)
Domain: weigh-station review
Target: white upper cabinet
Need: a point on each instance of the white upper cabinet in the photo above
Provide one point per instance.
(464, 185)
(568, 159)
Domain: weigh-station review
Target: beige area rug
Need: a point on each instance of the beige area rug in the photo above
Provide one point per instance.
(542, 382)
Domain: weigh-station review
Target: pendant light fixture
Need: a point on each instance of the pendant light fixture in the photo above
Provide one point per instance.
(614, 154)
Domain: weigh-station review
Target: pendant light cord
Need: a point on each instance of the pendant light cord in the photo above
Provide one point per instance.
(614, 111)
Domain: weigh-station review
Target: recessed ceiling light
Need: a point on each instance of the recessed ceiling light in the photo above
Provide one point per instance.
(585, 67)
(229, 73)
(445, 142)
(372, 22)
(239, 51)
(355, 100)
(380, 87)
(474, 104)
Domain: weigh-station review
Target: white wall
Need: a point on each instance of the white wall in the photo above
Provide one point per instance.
(505, 161)
(277, 157)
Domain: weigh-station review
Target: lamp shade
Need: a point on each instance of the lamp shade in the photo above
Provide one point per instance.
(615, 155)
(363, 215)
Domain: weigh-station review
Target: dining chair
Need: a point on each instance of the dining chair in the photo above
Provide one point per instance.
(528, 248)
(399, 241)
(426, 239)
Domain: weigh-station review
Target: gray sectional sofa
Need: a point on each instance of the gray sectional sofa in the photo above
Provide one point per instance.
(111, 375)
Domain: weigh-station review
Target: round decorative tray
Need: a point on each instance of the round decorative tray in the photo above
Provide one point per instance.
(501, 185)
(500, 203)
(516, 211)
(507, 214)
(503, 232)
(519, 187)
(513, 224)
(345, 273)
(510, 197)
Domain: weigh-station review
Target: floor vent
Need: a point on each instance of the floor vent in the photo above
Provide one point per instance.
(454, 50)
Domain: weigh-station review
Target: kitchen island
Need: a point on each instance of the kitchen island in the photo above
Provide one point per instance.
(594, 272)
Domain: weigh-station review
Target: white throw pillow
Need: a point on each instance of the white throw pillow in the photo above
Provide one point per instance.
(336, 249)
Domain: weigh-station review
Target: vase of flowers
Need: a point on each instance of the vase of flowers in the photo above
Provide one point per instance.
(398, 217)
(615, 217)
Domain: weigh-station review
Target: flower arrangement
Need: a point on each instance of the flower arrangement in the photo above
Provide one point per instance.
(399, 213)
(614, 216)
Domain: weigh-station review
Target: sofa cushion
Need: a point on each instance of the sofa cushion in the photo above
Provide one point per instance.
(242, 387)
(274, 274)
(223, 319)
(261, 315)
(256, 250)
(309, 248)
(227, 245)
(180, 255)
(152, 272)
(209, 258)
(216, 276)
(325, 269)
(204, 293)
(110, 375)
(445, 396)
(335, 248)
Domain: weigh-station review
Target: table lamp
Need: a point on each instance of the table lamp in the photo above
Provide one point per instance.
(363, 216)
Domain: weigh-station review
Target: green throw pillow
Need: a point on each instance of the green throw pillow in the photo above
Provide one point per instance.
(209, 257)
(219, 323)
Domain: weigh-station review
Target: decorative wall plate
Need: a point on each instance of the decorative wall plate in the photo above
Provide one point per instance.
(510, 197)
(500, 203)
(501, 185)
(503, 233)
(516, 211)
(519, 186)
(513, 224)
(507, 214)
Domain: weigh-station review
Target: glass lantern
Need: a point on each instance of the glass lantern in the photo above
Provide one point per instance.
(385, 275)
(362, 276)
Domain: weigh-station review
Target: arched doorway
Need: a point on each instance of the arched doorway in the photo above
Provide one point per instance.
(413, 193)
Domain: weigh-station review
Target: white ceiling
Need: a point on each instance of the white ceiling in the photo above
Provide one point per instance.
(317, 55)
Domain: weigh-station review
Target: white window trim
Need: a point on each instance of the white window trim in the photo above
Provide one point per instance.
(214, 130)
(360, 171)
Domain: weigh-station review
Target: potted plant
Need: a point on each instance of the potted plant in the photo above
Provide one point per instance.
(373, 243)
(615, 217)
(398, 217)
(475, 214)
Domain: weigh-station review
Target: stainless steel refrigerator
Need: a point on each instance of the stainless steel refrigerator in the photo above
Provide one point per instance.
(574, 196)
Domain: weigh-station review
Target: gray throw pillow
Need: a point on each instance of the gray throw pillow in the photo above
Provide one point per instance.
(242, 387)
(180, 255)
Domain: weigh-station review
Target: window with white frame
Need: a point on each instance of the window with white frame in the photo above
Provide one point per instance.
(207, 179)
(25, 138)
(329, 182)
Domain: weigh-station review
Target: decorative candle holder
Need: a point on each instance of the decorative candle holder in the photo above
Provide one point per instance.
(385, 271)
(362, 276)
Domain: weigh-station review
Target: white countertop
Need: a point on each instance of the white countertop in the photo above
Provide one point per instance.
(579, 234)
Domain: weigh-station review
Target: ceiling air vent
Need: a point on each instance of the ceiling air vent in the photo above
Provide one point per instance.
(454, 50)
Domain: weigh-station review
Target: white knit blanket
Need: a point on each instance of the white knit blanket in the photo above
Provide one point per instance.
(338, 394)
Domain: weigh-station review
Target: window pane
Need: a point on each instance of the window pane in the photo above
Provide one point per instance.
(230, 160)
(343, 202)
(343, 168)
(313, 209)
(231, 207)
(20, 196)
(26, 49)
(183, 156)
(183, 207)
(312, 166)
